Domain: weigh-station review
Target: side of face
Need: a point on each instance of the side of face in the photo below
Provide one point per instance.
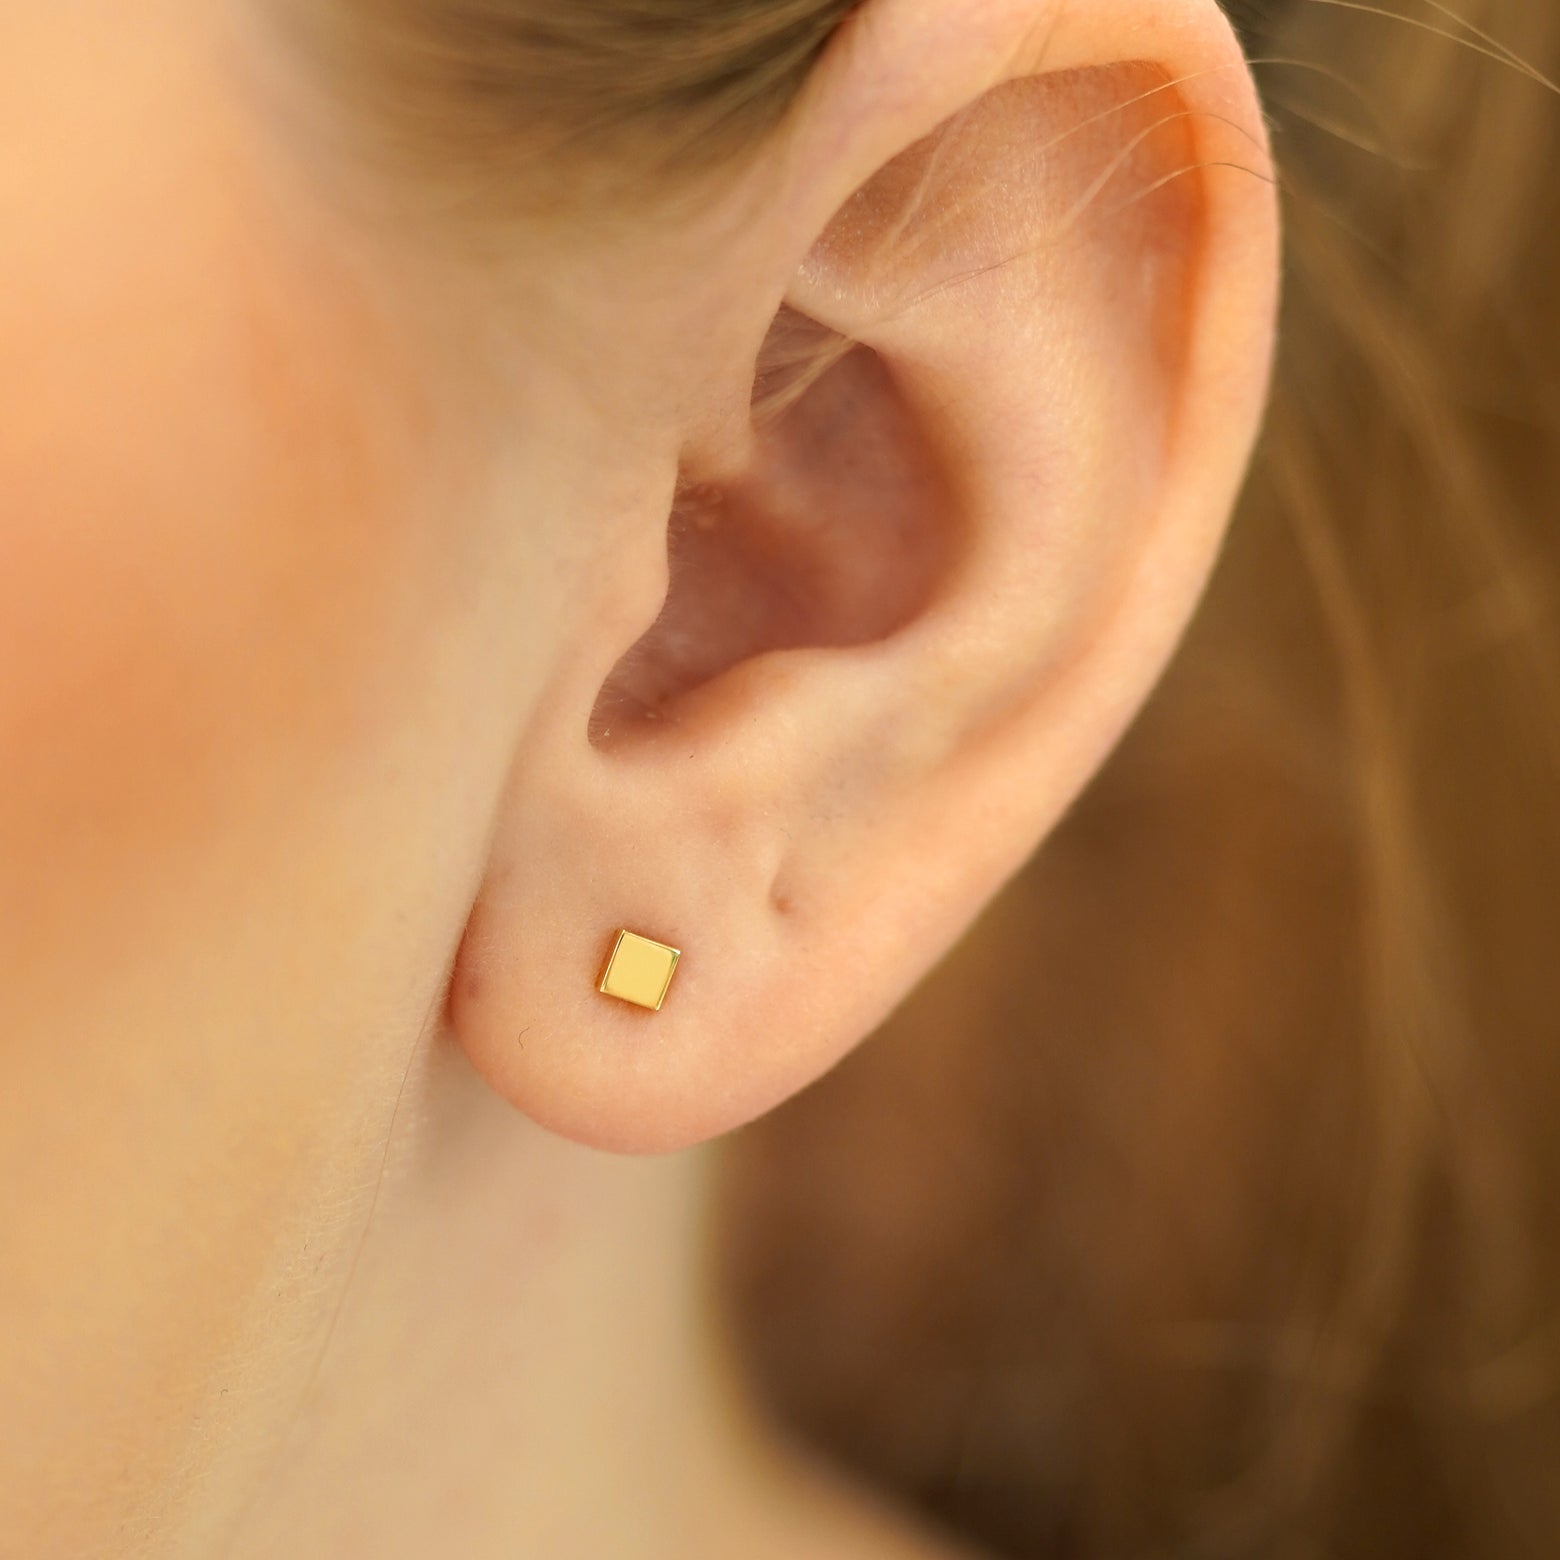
(350, 700)
(272, 603)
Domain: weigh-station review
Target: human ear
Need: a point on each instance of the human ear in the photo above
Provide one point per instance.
(909, 616)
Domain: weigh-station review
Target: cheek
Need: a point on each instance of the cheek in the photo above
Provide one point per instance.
(226, 640)
(207, 458)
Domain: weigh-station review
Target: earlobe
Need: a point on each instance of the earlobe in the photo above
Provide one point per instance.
(902, 636)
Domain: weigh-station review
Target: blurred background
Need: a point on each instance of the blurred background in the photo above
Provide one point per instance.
(1207, 1200)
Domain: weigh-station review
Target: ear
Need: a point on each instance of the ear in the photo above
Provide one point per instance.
(910, 616)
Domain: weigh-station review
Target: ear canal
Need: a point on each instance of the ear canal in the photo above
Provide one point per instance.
(835, 533)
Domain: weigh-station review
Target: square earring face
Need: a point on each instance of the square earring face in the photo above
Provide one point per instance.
(639, 970)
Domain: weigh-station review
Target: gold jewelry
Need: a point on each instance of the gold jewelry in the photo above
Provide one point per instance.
(638, 970)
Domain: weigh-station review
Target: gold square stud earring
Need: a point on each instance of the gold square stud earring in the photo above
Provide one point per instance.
(638, 970)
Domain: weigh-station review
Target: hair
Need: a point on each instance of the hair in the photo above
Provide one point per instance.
(1244, 1217)
(502, 109)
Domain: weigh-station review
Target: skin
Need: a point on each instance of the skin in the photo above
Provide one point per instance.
(318, 541)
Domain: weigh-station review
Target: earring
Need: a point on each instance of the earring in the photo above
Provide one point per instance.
(638, 970)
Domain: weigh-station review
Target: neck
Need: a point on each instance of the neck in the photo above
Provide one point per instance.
(523, 1361)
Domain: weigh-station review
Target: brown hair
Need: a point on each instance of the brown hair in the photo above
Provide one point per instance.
(1233, 1242)
(503, 107)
